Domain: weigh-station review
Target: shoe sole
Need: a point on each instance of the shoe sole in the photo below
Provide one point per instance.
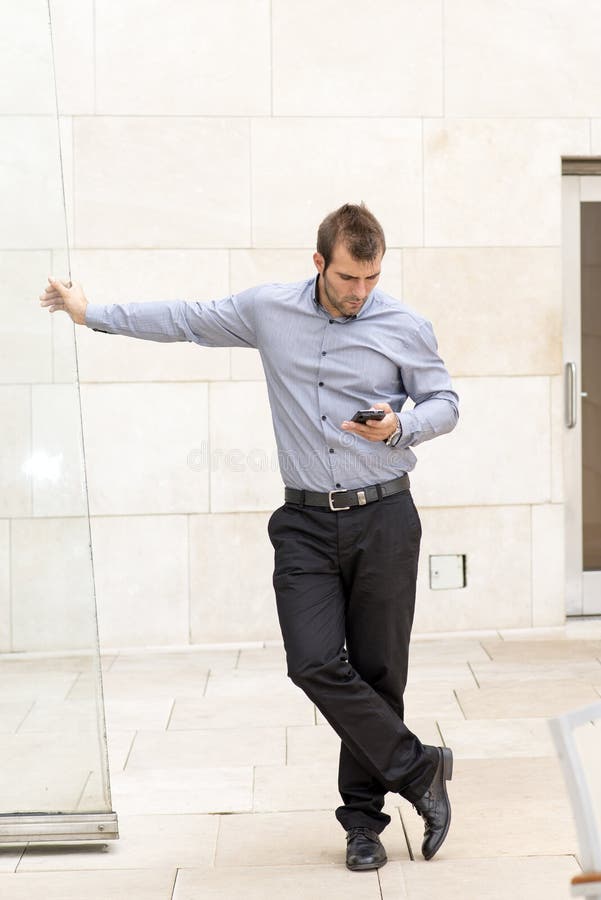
(366, 866)
(447, 775)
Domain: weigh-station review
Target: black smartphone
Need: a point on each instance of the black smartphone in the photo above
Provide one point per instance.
(362, 415)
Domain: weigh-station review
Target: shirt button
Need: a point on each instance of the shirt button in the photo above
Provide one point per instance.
(331, 451)
(324, 417)
(331, 321)
(323, 353)
(337, 484)
(320, 384)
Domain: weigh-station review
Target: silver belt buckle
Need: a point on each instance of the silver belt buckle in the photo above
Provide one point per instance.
(336, 508)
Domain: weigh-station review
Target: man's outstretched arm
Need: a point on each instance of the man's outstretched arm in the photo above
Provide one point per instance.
(220, 323)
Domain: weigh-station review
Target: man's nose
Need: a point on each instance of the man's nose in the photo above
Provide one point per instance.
(361, 290)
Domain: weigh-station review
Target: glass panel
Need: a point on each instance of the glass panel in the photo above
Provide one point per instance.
(587, 739)
(591, 383)
(52, 734)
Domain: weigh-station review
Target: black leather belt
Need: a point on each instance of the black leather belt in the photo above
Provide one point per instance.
(342, 499)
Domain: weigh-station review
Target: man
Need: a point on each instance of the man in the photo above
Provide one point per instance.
(347, 537)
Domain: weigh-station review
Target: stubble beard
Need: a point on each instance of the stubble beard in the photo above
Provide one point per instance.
(337, 304)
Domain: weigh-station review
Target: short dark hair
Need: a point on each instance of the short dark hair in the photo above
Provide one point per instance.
(357, 228)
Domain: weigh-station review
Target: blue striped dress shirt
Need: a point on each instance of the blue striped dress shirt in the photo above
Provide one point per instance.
(319, 371)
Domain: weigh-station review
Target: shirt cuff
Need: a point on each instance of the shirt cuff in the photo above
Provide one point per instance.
(407, 422)
(93, 317)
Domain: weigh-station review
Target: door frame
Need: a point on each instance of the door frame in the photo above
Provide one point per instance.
(582, 589)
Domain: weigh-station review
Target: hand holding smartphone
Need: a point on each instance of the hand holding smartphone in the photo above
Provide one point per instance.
(363, 415)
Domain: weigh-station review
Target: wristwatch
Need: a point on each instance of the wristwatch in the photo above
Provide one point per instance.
(396, 435)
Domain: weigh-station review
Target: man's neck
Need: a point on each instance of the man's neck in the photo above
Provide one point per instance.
(321, 296)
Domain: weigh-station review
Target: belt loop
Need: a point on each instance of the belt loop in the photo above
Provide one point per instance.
(302, 498)
(379, 491)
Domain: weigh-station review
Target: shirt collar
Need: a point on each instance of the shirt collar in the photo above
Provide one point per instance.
(342, 320)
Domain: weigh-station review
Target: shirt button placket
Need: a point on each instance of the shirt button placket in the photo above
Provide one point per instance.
(323, 379)
(321, 383)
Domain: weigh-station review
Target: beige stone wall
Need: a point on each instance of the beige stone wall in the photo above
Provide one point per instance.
(202, 143)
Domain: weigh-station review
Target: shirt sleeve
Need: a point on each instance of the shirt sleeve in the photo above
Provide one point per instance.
(229, 322)
(428, 384)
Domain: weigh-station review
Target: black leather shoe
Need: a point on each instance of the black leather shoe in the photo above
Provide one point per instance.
(434, 807)
(364, 849)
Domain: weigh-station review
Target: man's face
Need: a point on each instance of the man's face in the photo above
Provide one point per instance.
(347, 282)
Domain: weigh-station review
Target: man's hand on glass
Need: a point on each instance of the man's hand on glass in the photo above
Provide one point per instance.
(67, 297)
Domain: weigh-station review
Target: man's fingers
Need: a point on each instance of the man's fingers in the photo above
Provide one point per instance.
(373, 429)
(50, 299)
(55, 294)
(356, 428)
(58, 287)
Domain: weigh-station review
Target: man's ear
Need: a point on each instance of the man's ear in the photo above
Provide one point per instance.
(320, 262)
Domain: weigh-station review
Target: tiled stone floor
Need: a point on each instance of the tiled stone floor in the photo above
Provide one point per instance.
(224, 777)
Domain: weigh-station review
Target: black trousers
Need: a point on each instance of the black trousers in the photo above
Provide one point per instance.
(345, 593)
